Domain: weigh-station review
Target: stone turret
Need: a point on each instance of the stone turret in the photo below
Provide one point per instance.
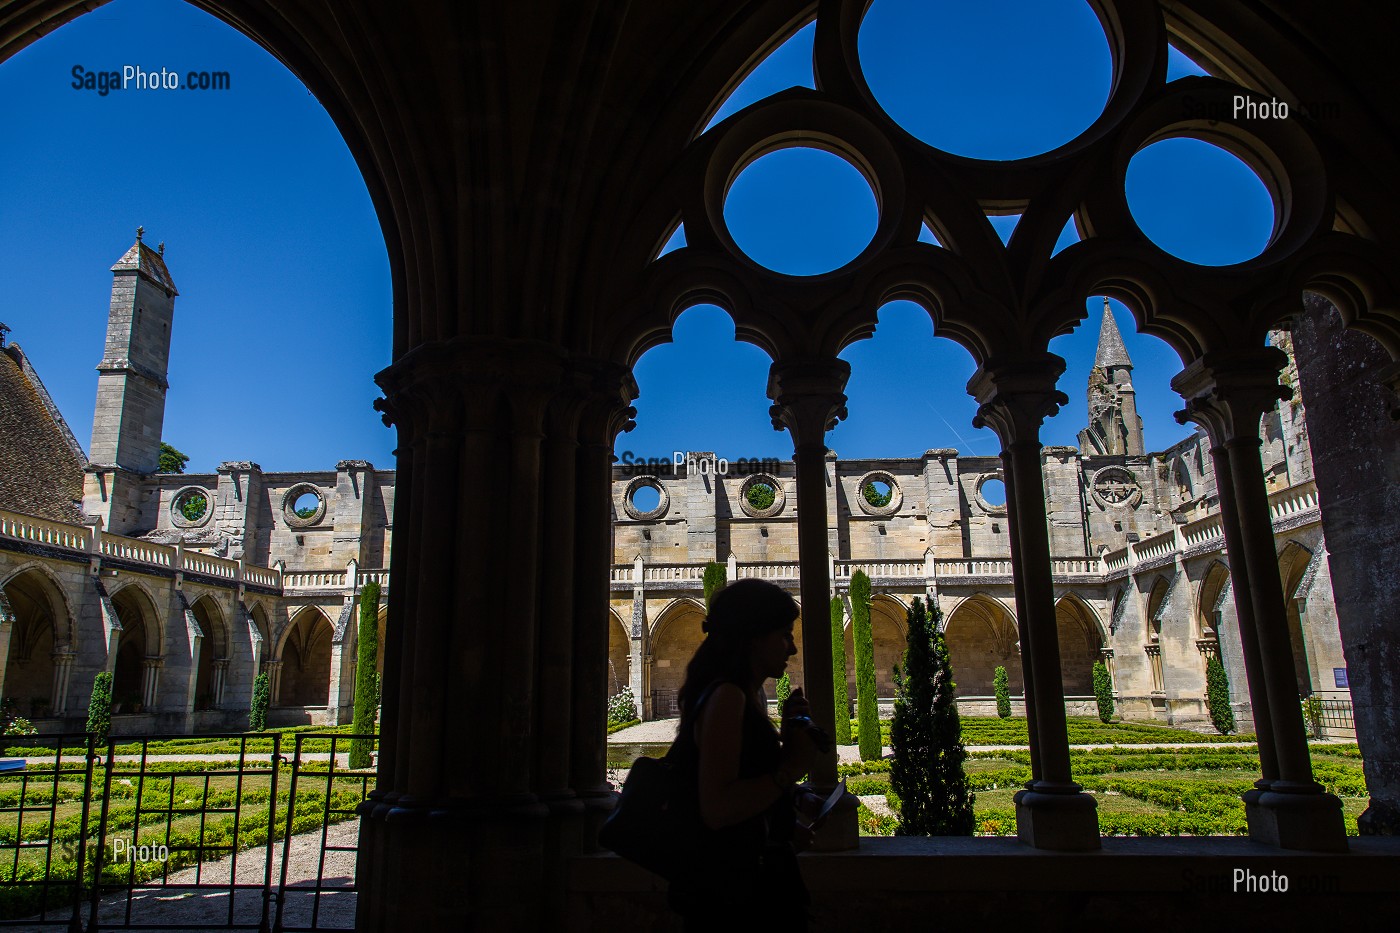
(131, 386)
(1114, 424)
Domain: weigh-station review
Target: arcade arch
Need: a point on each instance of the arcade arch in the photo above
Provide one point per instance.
(214, 654)
(135, 671)
(981, 636)
(1081, 640)
(306, 660)
(39, 616)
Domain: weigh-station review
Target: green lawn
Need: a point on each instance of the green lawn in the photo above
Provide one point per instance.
(1082, 730)
(1139, 791)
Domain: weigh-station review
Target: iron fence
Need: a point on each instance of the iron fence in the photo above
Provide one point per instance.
(179, 841)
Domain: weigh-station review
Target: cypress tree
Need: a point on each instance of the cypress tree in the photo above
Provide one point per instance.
(1103, 691)
(1218, 697)
(840, 691)
(262, 698)
(926, 737)
(366, 691)
(99, 719)
(1001, 687)
(714, 579)
(867, 704)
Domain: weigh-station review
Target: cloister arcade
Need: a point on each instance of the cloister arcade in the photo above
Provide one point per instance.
(527, 164)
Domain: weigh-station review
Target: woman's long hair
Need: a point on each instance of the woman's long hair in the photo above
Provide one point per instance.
(740, 613)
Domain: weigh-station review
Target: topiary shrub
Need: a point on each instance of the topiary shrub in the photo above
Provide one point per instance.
(1103, 691)
(1001, 687)
(1218, 697)
(366, 691)
(99, 721)
(840, 690)
(262, 698)
(927, 776)
(867, 704)
(714, 579)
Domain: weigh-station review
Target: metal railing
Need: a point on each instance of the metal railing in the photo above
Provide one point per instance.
(113, 836)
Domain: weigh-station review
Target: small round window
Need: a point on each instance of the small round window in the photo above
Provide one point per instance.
(646, 499)
(190, 507)
(991, 493)
(303, 505)
(879, 494)
(761, 496)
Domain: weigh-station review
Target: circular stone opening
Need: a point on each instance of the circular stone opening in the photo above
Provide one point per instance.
(878, 493)
(1199, 203)
(993, 492)
(801, 211)
(191, 505)
(306, 504)
(646, 498)
(944, 72)
(761, 495)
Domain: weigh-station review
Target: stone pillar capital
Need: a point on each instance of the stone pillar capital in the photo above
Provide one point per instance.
(428, 388)
(1016, 395)
(809, 398)
(1227, 393)
(608, 391)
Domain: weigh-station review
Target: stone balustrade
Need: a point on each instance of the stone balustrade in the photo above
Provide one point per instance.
(98, 545)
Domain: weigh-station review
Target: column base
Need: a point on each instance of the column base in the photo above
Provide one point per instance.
(1059, 822)
(505, 863)
(1312, 822)
(841, 830)
(1382, 818)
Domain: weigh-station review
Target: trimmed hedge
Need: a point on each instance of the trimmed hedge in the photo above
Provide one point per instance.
(366, 690)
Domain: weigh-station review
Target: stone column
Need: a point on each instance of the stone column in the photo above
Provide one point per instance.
(639, 652)
(1015, 397)
(809, 398)
(474, 567)
(220, 678)
(1351, 391)
(607, 392)
(274, 682)
(150, 681)
(1227, 394)
(62, 671)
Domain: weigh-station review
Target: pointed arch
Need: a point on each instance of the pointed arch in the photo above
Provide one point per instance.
(214, 647)
(1214, 586)
(305, 653)
(1081, 639)
(40, 626)
(675, 636)
(982, 636)
(60, 606)
(1294, 561)
(619, 654)
(1156, 603)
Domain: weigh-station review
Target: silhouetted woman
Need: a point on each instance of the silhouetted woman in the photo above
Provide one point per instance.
(745, 873)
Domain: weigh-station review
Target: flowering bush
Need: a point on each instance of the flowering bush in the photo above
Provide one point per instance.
(622, 708)
(21, 726)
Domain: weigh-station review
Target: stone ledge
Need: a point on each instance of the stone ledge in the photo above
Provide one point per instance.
(906, 883)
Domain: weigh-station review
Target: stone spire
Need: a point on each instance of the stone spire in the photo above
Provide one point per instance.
(1114, 425)
(1111, 349)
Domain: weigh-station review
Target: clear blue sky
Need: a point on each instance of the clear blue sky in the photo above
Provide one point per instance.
(284, 314)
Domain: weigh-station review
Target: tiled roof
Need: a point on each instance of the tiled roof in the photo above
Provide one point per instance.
(149, 263)
(41, 465)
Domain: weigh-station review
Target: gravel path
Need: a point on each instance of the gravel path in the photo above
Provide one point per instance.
(206, 910)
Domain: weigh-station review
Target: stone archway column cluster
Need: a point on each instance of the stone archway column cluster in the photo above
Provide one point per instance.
(493, 763)
(1014, 398)
(808, 399)
(1227, 394)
